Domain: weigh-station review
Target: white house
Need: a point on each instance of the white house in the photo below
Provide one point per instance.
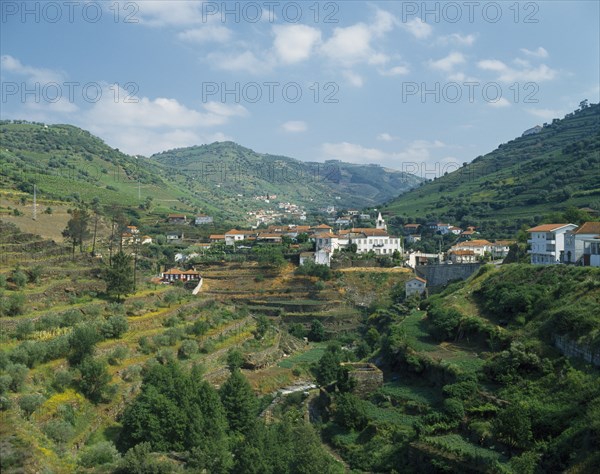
(479, 247)
(415, 285)
(463, 256)
(203, 219)
(575, 241)
(547, 243)
(591, 252)
(235, 235)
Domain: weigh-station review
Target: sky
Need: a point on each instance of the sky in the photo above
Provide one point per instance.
(414, 86)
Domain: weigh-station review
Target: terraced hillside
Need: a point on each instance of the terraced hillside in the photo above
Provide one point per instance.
(532, 175)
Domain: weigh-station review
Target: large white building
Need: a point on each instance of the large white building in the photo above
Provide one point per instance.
(366, 240)
(547, 243)
(576, 241)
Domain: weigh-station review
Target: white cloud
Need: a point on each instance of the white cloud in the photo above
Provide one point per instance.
(418, 28)
(545, 114)
(417, 151)
(354, 79)
(457, 39)
(525, 73)
(294, 126)
(170, 13)
(385, 137)
(353, 44)
(448, 63)
(500, 103)
(295, 43)
(349, 45)
(245, 61)
(41, 75)
(395, 71)
(206, 34)
(538, 53)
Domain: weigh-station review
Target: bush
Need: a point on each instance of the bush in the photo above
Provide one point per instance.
(59, 431)
(98, 454)
(30, 403)
(62, 379)
(114, 327)
(317, 331)
(18, 374)
(118, 354)
(187, 349)
(94, 379)
(19, 278)
(350, 411)
(235, 359)
(454, 409)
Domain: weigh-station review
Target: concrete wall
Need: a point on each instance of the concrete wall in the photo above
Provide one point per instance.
(439, 275)
(572, 349)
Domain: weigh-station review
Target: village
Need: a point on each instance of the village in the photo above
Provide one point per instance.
(350, 244)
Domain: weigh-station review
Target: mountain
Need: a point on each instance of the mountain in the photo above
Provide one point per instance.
(66, 162)
(519, 182)
(231, 169)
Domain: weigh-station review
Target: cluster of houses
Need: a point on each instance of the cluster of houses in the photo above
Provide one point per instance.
(565, 243)
(326, 240)
(200, 219)
(131, 236)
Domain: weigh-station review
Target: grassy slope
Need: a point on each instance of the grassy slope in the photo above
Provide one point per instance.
(227, 169)
(528, 176)
(561, 301)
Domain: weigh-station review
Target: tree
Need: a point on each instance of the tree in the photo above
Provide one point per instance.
(77, 228)
(328, 369)
(262, 326)
(96, 208)
(82, 342)
(119, 276)
(94, 379)
(350, 412)
(513, 426)
(317, 331)
(235, 359)
(239, 402)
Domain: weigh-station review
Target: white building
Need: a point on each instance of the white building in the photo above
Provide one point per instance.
(591, 252)
(415, 285)
(547, 243)
(575, 241)
(203, 219)
(235, 235)
(479, 247)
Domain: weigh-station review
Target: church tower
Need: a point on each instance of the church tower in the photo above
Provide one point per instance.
(381, 223)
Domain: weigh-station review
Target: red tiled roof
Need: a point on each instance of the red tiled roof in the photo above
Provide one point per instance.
(589, 228)
(546, 227)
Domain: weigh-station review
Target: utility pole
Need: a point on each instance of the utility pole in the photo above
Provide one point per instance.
(34, 202)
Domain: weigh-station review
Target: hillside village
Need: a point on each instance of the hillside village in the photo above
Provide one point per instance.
(380, 339)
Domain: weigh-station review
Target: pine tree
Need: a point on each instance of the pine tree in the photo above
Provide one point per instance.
(119, 276)
(239, 402)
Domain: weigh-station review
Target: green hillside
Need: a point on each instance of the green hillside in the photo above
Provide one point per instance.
(68, 163)
(225, 168)
(65, 162)
(475, 380)
(527, 177)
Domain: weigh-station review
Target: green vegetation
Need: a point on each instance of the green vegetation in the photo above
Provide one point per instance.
(521, 183)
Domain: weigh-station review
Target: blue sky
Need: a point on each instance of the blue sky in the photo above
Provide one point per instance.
(419, 86)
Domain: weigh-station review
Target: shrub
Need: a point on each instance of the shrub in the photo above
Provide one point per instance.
(118, 354)
(18, 374)
(350, 411)
(114, 327)
(187, 349)
(454, 408)
(62, 379)
(98, 454)
(235, 359)
(19, 278)
(59, 431)
(30, 403)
